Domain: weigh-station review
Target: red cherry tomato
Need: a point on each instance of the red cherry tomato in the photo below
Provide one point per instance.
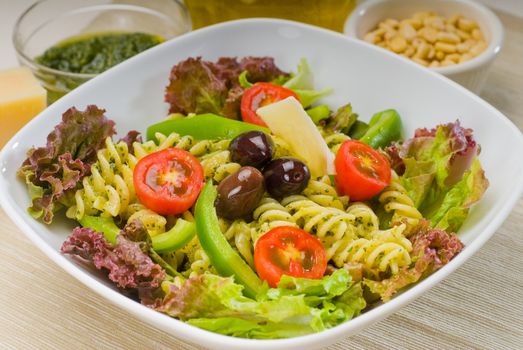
(361, 171)
(288, 250)
(168, 181)
(259, 95)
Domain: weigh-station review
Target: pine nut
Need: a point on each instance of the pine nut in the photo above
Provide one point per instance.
(429, 39)
(446, 48)
(449, 38)
(420, 61)
(466, 24)
(476, 34)
(446, 63)
(429, 34)
(398, 44)
(423, 51)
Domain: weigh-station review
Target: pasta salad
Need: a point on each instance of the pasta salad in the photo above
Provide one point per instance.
(254, 210)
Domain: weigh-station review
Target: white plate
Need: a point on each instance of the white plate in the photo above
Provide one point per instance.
(371, 79)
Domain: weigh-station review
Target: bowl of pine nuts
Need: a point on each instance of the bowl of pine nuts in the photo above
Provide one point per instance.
(456, 38)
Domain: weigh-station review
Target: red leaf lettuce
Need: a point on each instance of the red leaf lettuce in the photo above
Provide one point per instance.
(52, 172)
(431, 250)
(127, 264)
(440, 170)
(198, 86)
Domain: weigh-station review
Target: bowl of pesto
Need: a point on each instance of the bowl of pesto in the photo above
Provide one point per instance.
(65, 43)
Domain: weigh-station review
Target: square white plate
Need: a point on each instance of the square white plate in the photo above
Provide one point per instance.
(368, 77)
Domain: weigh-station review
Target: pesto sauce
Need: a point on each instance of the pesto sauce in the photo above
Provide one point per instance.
(95, 53)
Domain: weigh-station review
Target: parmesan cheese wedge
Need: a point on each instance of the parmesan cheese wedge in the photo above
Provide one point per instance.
(288, 120)
(21, 98)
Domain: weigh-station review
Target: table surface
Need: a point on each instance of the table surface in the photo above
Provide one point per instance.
(480, 306)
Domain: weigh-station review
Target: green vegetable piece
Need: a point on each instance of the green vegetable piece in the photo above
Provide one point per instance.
(455, 206)
(308, 97)
(176, 238)
(225, 259)
(384, 127)
(203, 127)
(342, 120)
(103, 225)
(302, 84)
(318, 113)
(242, 79)
(358, 129)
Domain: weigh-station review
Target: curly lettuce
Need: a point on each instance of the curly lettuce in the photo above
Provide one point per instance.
(54, 171)
(431, 250)
(198, 86)
(297, 307)
(126, 263)
(440, 170)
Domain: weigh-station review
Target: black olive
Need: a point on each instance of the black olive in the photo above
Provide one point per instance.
(253, 148)
(286, 176)
(240, 193)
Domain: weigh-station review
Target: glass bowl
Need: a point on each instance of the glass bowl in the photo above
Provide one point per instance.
(49, 22)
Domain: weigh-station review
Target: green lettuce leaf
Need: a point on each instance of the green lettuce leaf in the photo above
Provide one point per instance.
(455, 205)
(302, 83)
(441, 173)
(298, 306)
(238, 327)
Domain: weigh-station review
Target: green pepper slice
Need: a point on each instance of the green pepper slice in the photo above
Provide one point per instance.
(358, 129)
(384, 127)
(224, 259)
(176, 238)
(203, 127)
(102, 224)
(318, 113)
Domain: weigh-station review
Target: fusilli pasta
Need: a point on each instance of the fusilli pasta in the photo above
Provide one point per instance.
(109, 189)
(396, 200)
(385, 252)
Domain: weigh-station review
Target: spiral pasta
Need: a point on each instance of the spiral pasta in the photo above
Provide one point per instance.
(153, 222)
(214, 155)
(385, 252)
(330, 225)
(268, 215)
(365, 220)
(396, 200)
(323, 193)
(109, 189)
(335, 140)
(240, 234)
(197, 261)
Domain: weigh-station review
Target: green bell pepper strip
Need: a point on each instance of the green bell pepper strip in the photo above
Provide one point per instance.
(176, 238)
(203, 127)
(358, 129)
(242, 79)
(384, 127)
(104, 225)
(318, 113)
(224, 259)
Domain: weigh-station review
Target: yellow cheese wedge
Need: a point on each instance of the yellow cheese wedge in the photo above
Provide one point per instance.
(288, 120)
(21, 98)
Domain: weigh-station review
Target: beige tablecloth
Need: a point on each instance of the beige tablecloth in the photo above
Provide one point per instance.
(478, 307)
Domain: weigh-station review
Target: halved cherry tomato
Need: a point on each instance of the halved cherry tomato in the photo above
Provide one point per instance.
(168, 181)
(361, 171)
(288, 250)
(259, 95)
